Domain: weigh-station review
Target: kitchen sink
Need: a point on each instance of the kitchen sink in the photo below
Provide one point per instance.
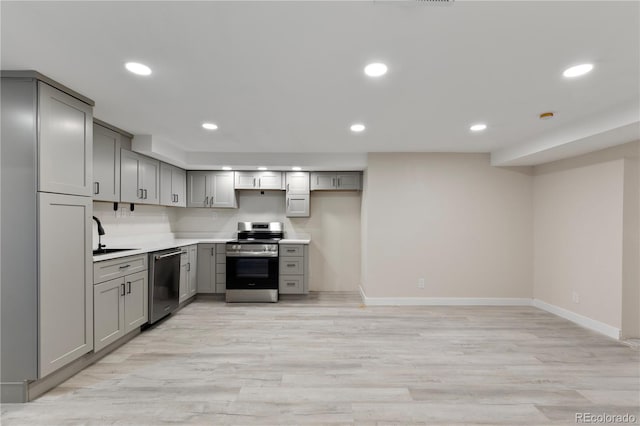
(110, 250)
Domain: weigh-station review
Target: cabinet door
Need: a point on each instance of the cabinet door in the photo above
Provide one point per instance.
(136, 300)
(129, 177)
(106, 164)
(206, 268)
(246, 180)
(297, 183)
(298, 205)
(108, 308)
(150, 180)
(323, 180)
(348, 180)
(65, 143)
(65, 282)
(269, 180)
(179, 185)
(184, 285)
(222, 190)
(197, 194)
(167, 197)
(192, 269)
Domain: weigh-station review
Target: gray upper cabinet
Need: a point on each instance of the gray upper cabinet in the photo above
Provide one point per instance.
(65, 288)
(298, 205)
(297, 183)
(211, 189)
(258, 180)
(106, 164)
(139, 178)
(345, 181)
(173, 186)
(65, 143)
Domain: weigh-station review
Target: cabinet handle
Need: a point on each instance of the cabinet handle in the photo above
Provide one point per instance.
(287, 201)
(291, 250)
(97, 188)
(287, 187)
(141, 193)
(291, 265)
(333, 182)
(188, 266)
(291, 284)
(254, 182)
(145, 194)
(129, 284)
(206, 201)
(124, 266)
(177, 198)
(259, 182)
(338, 182)
(212, 254)
(122, 286)
(211, 201)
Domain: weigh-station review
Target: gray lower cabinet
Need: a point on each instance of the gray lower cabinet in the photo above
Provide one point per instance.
(294, 269)
(139, 178)
(106, 164)
(211, 268)
(342, 181)
(211, 189)
(173, 186)
(121, 304)
(64, 263)
(188, 272)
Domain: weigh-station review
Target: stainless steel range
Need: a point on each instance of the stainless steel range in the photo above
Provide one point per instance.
(252, 263)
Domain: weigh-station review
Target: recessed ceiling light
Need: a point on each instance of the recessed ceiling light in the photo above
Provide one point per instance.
(578, 70)
(210, 126)
(262, 168)
(226, 168)
(376, 69)
(478, 127)
(357, 127)
(296, 168)
(138, 68)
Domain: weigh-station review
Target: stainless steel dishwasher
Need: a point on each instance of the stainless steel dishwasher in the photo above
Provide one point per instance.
(164, 283)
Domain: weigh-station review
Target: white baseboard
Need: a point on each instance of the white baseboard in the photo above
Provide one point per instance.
(581, 320)
(443, 301)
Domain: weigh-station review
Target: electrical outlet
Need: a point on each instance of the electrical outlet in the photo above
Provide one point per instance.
(420, 282)
(575, 297)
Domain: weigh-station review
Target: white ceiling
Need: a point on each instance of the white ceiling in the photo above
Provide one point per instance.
(286, 77)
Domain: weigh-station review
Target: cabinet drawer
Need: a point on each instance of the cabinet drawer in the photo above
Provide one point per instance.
(221, 278)
(291, 265)
(292, 250)
(221, 258)
(291, 284)
(115, 268)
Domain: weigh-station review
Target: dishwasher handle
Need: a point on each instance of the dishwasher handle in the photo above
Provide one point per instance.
(158, 257)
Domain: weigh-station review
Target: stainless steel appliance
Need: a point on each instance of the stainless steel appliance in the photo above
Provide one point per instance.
(164, 283)
(253, 264)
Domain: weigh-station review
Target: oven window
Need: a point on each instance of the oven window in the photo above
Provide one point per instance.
(252, 268)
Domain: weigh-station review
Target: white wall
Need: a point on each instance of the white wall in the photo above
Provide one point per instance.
(464, 226)
(586, 236)
(145, 223)
(334, 228)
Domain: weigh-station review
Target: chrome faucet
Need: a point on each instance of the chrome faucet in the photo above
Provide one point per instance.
(100, 233)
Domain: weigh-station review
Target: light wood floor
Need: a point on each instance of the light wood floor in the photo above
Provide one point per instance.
(329, 360)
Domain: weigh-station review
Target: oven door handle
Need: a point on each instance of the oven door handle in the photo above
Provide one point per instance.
(158, 257)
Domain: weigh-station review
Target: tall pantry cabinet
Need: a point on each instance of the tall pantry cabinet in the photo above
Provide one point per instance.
(45, 218)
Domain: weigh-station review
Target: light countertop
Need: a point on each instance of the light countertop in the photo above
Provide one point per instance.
(147, 247)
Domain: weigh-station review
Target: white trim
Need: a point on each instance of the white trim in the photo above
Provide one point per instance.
(581, 320)
(362, 295)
